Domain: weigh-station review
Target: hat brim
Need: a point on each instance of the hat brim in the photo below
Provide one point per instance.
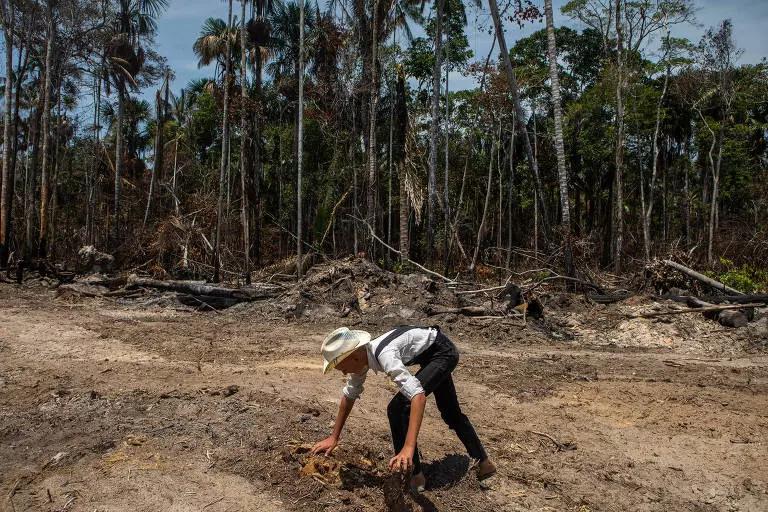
(364, 338)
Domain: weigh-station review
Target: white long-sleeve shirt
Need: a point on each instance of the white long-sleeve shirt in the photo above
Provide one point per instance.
(392, 361)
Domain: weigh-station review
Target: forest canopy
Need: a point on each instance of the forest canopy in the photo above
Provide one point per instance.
(325, 130)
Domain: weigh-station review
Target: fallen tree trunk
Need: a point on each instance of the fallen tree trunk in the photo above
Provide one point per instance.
(695, 310)
(717, 285)
(198, 289)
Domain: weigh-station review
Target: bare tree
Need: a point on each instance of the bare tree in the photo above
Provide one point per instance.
(654, 168)
(434, 131)
(518, 108)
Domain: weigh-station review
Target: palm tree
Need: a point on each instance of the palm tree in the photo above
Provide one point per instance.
(285, 21)
(211, 44)
(125, 58)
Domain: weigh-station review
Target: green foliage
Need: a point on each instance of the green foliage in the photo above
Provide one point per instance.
(745, 278)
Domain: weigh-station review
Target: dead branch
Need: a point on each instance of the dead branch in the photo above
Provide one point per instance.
(561, 447)
(408, 260)
(333, 216)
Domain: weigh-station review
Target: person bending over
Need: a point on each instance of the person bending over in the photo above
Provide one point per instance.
(353, 352)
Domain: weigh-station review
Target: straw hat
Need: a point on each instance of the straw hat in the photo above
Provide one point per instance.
(338, 345)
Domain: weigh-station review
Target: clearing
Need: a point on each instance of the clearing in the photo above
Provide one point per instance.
(106, 405)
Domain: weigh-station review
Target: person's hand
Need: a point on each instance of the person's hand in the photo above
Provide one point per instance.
(403, 461)
(325, 446)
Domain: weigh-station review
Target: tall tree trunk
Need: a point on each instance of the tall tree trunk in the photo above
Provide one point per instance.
(687, 194)
(558, 110)
(715, 191)
(654, 169)
(45, 171)
(401, 109)
(617, 225)
(7, 18)
(446, 174)
(92, 172)
(244, 207)
(434, 132)
(389, 167)
(519, 114)
(224, 153)
(373, 100)
(510, 197)
(300, 144)
(118, 163)
(562, 172)
(30, 184)
(55, 180)
(255, 179)
(157, 169)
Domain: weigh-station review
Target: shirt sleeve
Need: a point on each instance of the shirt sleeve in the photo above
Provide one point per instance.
(354, 387)
(392, 364)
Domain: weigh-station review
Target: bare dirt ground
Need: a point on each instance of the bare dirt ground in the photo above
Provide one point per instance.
(108, 406)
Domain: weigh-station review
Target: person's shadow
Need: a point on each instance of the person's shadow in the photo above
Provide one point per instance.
(447, 471)
(440, 474)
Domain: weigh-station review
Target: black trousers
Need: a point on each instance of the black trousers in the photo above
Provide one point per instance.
(437, 363)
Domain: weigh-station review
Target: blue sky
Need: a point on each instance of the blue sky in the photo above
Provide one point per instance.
(180, 26)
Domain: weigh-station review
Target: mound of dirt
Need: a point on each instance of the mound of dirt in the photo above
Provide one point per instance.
(354, 287)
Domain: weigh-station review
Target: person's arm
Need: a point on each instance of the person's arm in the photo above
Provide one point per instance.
(350, 393)
(327, 445)
(403, 461)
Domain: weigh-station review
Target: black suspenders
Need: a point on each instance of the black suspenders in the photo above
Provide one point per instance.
(399, 331)
(396, 333)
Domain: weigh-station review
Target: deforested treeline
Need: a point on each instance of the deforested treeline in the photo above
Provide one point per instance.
(324, 130)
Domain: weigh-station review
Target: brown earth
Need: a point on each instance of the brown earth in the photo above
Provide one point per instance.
(106, 405)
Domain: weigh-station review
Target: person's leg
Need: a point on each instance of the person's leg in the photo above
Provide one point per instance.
(450, 410)
(399, 414)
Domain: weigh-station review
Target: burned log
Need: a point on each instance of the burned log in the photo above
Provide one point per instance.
(206, 302)
(201, 289)
(732, 318)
